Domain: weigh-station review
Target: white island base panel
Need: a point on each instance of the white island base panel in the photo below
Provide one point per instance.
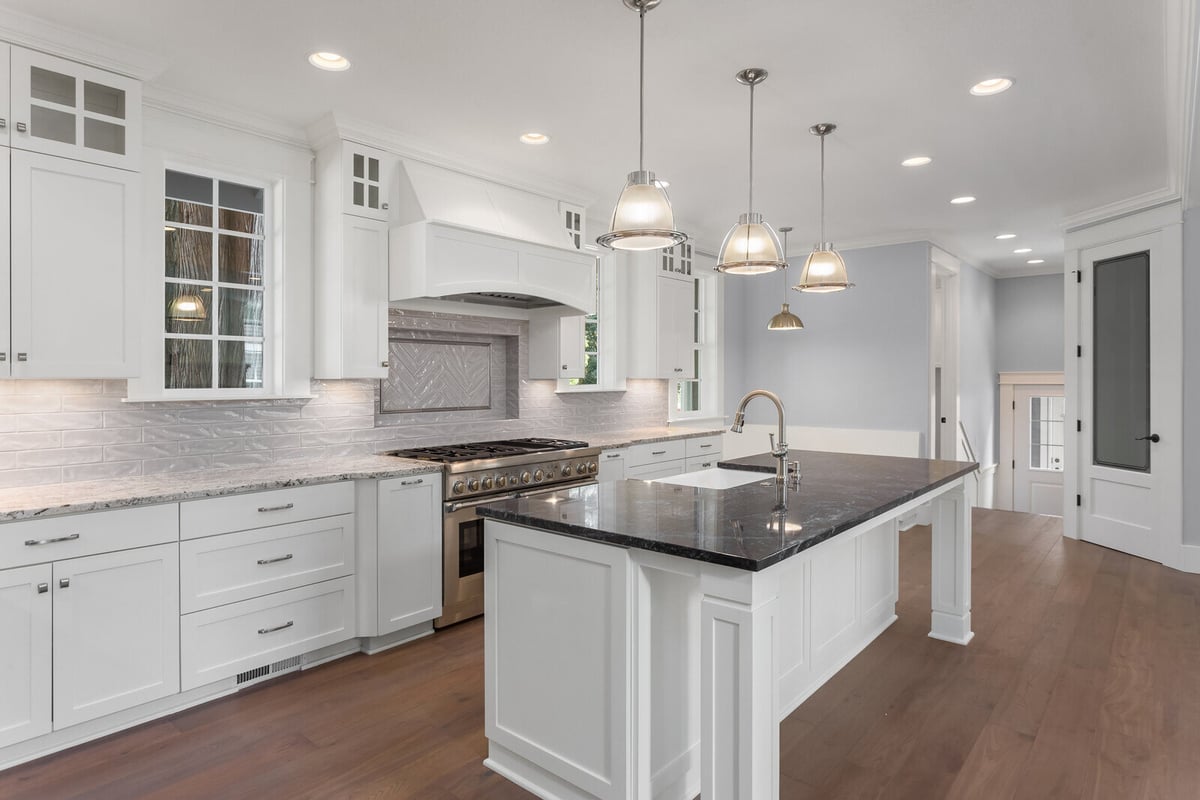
(621, 673)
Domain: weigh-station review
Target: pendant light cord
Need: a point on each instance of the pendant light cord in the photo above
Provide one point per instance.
(783, 271)
(642, 92)
(750, 202)
(822, 190)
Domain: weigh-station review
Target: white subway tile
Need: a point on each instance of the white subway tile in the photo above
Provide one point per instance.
(59, 457)
(198, 446)
(211, 415)
(30, 477)
(230, 460)
(177, 433)
(155, 466)
(140, 452)
(103, 471)
(30, 441)
(29, 403)
(138, 419)
(85, 438)
(85, 420)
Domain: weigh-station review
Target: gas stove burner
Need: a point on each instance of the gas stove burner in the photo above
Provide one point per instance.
(452, 454)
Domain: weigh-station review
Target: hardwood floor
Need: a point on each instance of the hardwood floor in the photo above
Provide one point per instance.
(1083, 681)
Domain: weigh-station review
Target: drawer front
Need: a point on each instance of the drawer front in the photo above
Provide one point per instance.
(654, 453)
(221, 642)
(701, 462)
(240, 512)
(664, 469)
(612, 465)
(703, 446)
(217, 570)
(38, 541)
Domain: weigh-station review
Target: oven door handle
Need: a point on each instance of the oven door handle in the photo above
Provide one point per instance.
(452, 507)
(562, 487)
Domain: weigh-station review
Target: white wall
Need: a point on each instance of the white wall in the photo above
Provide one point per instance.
(1029, 324)
(978, 393)
(862, 360)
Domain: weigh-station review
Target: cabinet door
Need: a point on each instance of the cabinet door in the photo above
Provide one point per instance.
(25, 664)
(116, 632)
(674, 328)
(364, 298)
(5, 120)
(409, 551)
(367, 174)
(612, 466)
(6, 354)
(570, 347)
(67, 109)
(74, 252)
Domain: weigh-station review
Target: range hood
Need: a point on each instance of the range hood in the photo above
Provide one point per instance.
(464, 238)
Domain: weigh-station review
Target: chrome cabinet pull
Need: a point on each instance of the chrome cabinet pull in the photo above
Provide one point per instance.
(412, 483)
(706, 464)
(274, 560)
(284, 507)
(3, 356)
(22, 356)
(3, 123)
(36, 542)
(703, 446)
(22, 127)
(42, 588)
(612, 455)
(383, 363)
(658, 452)
(287, 624)
(64, 583)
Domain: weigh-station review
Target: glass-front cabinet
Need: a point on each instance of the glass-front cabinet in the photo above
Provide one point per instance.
(62, 108)
(369, 175)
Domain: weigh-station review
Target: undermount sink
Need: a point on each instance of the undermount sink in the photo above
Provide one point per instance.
(718, 478)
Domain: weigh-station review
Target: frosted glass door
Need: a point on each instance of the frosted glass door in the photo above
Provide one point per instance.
(1121, 362)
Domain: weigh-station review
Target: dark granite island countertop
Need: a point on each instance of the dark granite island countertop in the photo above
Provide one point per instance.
(739, 527)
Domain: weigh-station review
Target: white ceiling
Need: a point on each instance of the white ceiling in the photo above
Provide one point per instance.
(1090, 121)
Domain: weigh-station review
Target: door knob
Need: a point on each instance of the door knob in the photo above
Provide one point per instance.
(1154, 437)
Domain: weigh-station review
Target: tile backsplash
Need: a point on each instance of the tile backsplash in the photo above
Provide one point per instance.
(79, 430)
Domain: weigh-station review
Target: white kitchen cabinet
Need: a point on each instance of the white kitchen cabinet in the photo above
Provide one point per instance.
(74, 247)
(556, 346)
(350, 303)
(660, 319)
(6, 351)
(5, 118)
(648, 472)
(400, 553)
(25, 658)
(116, 632)
(612, 466)
(63, 108)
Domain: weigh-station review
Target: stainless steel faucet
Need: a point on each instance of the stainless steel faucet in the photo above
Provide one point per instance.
(778, 449)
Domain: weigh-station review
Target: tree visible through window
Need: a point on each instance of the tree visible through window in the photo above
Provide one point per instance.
(215, 269)
(591, 349)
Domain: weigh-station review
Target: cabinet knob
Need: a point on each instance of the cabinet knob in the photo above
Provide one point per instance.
(384, 206)
(383, 363)
(22, 127)
(42, 588)
(3, 123)
(3, 357)
(565, 367)
(22, 356)
(64, 583)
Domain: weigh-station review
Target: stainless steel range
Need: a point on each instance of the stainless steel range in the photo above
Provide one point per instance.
(482, 472)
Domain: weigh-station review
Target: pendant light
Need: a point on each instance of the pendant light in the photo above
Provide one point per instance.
(785, 320)
(751, 247)
(642, 219)
(187, 308)
(824, 270)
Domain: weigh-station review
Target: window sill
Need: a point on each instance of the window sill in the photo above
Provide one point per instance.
(564, 388)
(222, 398)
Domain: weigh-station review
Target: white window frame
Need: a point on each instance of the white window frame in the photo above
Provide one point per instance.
(610, 366)
(709, 349)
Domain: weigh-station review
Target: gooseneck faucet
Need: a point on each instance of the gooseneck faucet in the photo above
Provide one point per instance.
(778, 449)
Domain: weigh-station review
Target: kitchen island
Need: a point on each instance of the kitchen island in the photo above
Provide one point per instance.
(644, 639)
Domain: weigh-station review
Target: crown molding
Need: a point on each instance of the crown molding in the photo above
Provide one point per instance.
(1120, 208)
(357, 130)
(215, 113)
(48, 37)
(1027, 273)
(1181, 84)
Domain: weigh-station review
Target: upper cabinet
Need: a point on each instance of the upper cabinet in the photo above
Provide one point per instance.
(661, 314)
(5, 125)
(62, 108)
(368, 178)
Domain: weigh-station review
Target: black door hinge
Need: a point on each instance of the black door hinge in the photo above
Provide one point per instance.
(1079, 500)
(1079, 276)
(1014, 463)
(1079, 426)
(1014, 405)
(1079, 351)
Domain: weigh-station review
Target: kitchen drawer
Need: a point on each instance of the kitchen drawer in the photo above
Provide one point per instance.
(216, 570)
(222, 642)
(703, 446)
(612, 465)
(701, 462)
(239, 512)
(661, 469)
(34, 541)
(654, 453)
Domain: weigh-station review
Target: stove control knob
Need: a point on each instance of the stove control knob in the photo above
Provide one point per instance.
(581, 468)
(537, 476)
(459, 487)
(592, 466)
(526, 477)
(486, 483)
(473, 484)
(566, 470)
(501, 481)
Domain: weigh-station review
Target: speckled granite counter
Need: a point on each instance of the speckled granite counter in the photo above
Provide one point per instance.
(739, 527)
(614, 439)
(70, 498)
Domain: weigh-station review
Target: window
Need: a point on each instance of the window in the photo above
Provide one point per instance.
(591, 348)
(215, 269)
(1046, 442)
(697, 396)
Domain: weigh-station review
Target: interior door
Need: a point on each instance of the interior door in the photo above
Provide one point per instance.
(1039, 439)
(1129, 425)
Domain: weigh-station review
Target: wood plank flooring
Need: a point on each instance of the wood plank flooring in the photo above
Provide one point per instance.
(1083, 681)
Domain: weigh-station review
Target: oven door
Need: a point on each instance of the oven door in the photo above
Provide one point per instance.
(462, 560)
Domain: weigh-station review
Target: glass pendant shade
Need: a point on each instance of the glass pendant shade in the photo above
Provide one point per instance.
(824, 271)
(751, 248)
(785, 320)
(187, 308)
(642, 219)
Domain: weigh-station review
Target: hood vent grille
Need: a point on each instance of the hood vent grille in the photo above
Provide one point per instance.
(505, 299)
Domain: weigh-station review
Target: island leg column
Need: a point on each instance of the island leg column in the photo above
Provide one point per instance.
(950, 589)
(739, 736)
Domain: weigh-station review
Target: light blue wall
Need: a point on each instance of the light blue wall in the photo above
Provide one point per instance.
(978, 393)
(1191, 376)
(1029, 324)
(862, 360)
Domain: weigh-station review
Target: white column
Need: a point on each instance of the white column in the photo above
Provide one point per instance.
(739, 737)
(950, 589)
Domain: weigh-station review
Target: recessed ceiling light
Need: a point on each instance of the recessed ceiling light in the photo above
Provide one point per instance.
(1006, 236)
(1023, 250)
(333, 62)
(991, 86)
(958, 201)
(1036, 261)
(916, 161)
(533, 137)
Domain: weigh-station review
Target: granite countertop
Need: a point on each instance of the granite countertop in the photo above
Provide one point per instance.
(614, 439)
(71, 498)
(740, 527)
